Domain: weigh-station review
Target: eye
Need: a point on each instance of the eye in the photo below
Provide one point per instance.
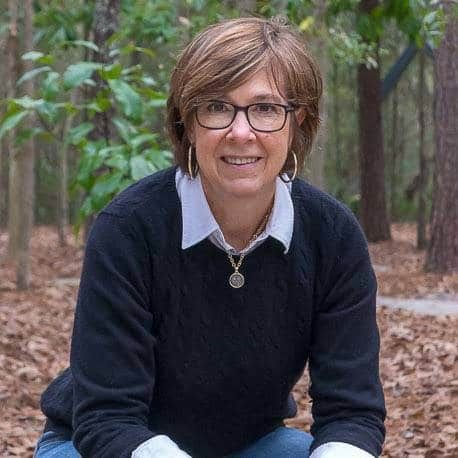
(267, 108)
(216, 107)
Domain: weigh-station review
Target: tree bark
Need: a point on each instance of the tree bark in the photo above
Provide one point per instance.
(3, 148)
(106, 23)
(317, 158)
(12, 60)
(394, 154)
(443, 248)
(338, 156)
(373, 214)
(3, 181)
(423, 172)
(63, 219)
(23, 178)
(106, 20)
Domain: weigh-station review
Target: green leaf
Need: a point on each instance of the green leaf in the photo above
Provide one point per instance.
(25, 134)
(10, 122)
(130, 48)
(76, 74)
(109, 150)
(157, 103)
(140, 167)
(125, 129)
(160, 158)
(32, 55)
(37, 56)
(84, 43)
(155, 99)
(32, 73)
(50, 85)
(111, 72)
(106, 185)
(86, 168)
(129, 99)
(148, 81)
(430, 17)
(46, 60)
(138, 140)
(118, 162)
(307, 23)
(50, 110)
(79, 133)
(86, 209)
(132, 70)
(28, 103)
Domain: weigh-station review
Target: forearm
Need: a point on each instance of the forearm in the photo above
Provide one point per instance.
(348, 402)
(112, 356)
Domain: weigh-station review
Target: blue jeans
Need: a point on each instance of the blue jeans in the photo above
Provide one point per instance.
(52, 445)
(281, 443)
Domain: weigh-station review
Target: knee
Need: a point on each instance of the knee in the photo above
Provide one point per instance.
(296, 443)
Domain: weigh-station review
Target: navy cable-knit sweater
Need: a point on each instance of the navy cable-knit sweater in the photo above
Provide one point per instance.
(163, 345)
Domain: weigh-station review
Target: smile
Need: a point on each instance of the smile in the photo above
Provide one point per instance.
(240, 160)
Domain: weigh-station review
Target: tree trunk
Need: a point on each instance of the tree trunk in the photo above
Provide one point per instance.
(423, 172)
(320, 46)
(338, 156)
(23, 178)
(106, 14)
(63, 184)
(394, 154)
(3, 181)
(443, 248)
(374, 216)
(3, 149)
(12, 59)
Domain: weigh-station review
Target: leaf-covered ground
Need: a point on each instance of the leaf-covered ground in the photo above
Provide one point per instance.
(418, 360)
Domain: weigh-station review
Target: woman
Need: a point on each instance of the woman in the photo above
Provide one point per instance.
(207, 287)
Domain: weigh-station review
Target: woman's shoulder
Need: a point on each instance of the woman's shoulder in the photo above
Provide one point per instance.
(153, 192)
(145, 212)
(329, 223)
(320, 206)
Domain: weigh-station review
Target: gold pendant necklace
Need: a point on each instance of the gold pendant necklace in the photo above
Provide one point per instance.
(236, 279)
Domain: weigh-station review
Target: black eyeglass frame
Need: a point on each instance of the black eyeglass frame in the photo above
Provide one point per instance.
(237, 108)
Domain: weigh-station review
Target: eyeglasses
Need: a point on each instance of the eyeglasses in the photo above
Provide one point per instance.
(263, 117)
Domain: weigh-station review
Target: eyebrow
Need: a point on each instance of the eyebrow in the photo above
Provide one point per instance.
(262, 97)
(268, 98)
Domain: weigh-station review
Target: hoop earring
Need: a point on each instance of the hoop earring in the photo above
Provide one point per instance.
(192, 173)
(295, 170)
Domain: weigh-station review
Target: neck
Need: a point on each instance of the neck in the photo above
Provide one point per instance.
(239, 218)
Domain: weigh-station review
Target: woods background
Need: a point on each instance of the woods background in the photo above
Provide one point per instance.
(86, 84)
(82, 117)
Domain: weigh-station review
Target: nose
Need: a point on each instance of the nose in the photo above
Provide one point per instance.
(240, 128)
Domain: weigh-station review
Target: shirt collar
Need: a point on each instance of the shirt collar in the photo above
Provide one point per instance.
(199, 222)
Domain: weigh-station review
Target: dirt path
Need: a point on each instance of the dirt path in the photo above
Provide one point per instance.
(432, 305)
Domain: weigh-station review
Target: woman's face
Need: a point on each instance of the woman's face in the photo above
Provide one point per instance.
(217, 150)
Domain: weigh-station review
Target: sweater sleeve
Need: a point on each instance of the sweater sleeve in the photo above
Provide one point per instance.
(112, 349)
(348, 402)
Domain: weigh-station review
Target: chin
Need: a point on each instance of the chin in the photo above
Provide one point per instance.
(246, 188)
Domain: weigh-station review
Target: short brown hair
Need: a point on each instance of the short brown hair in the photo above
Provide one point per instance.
(225, 55)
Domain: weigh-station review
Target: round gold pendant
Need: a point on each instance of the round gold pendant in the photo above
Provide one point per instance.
(236, 280)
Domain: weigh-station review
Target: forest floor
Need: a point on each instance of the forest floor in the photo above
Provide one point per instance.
(418, 357)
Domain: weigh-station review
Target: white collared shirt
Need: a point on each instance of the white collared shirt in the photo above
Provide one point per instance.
(199, 224)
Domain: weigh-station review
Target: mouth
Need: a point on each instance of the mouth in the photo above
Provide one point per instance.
(240, 161)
